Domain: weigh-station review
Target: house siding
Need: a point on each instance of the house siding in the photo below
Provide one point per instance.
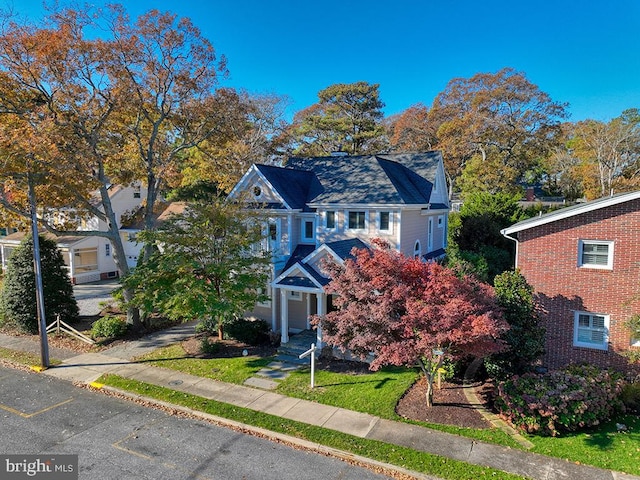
(413, 226)
(548, 258)
(341, 232)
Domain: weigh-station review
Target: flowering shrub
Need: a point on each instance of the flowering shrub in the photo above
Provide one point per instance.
(564, 400)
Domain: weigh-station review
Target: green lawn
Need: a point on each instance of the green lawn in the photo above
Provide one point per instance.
(604, 448)
(377, 393)
(231, 370)
(382, 389)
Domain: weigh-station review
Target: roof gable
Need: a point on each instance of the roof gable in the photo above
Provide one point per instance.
(292, 184)
(572, 211)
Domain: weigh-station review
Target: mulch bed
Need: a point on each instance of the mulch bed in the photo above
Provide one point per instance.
(450, 406)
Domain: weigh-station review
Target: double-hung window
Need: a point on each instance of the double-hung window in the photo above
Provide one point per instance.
(357, 220)
(595, 254)
(384, 221)
(591, 330)
(330, 220)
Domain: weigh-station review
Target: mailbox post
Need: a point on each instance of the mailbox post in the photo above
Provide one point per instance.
(312, 352)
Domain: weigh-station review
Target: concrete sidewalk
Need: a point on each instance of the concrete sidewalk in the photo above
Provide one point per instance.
(87, 368)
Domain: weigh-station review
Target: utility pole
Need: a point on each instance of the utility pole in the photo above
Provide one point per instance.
(42, 319)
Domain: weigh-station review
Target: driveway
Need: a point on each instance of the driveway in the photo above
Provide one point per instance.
(91, 296)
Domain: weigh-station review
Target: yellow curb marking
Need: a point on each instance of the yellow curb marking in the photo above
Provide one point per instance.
(97, 385)
(38, 368)
(29, 415)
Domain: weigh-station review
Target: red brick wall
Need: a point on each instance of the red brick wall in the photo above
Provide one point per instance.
(548, 258)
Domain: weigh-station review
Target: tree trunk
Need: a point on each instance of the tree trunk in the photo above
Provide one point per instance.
(220, 330)
(119, 256)
(429, 393)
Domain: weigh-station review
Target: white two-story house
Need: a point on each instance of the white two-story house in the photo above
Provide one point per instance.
(325, 206)
(90, 258)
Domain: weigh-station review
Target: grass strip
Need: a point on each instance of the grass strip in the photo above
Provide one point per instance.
(392, 454)
(24, 358)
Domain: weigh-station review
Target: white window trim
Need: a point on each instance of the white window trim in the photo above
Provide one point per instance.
(294, 295)
(107, 249)
(390, 229)
(303, 225)
(366, 221)
(417, 252)
(440, 221)
(595, 346)
(608, 266)
(430, 234)
(335, 220)
(257, 188)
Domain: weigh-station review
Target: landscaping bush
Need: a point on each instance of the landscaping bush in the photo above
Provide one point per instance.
(208, 347)
(564, 400)
(109, 327)
(253, 332)
(18, 297)
(630, 396)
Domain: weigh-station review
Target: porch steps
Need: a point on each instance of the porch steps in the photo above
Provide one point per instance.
(298, 344)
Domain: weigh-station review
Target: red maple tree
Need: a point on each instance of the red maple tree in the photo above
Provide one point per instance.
(408, 312)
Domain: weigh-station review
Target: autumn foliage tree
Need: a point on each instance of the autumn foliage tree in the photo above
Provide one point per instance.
(412, 131)
(493, 127)
(408, 312)
(83, 113)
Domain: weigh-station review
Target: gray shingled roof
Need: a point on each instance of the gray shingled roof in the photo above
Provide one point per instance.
(300, 252)
(343, 248)
(365, 179)
(293, 185)
(371, 179)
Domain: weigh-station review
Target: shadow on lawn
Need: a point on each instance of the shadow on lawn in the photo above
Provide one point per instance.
(380, 383)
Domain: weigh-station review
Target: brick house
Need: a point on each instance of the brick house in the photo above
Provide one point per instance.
(584, 265)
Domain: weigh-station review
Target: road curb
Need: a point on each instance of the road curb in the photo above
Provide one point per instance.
(271, 435)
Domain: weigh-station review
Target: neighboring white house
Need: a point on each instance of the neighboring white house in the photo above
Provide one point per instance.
(326, 206)
(90, 258)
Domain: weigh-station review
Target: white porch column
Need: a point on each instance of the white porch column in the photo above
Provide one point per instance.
(274, 309)
(308, 324)
(321, 299)
(284, 316)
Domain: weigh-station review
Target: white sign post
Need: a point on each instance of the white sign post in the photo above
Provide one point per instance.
(311, 352)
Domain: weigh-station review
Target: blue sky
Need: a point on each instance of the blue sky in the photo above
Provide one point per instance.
(586, 53)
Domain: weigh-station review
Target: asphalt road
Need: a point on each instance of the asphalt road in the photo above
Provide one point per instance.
(120, 440)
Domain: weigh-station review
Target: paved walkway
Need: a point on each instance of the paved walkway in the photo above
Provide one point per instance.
(87, 368)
